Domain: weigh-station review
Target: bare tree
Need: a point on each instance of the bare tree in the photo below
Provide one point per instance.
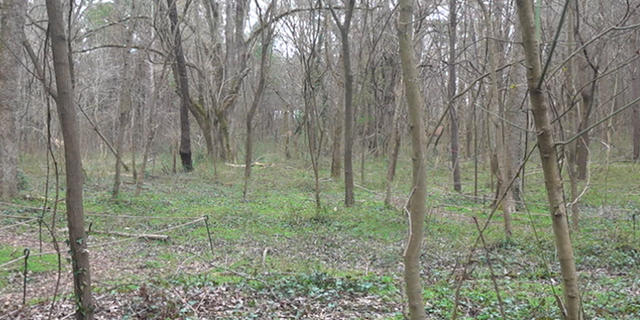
(635, 82)
(265, 55)
(11, 53)
(417, 201)
(344, 27)
(124, 106)
(549, 159)
(180, 74)
(73, 162)
(451, 89)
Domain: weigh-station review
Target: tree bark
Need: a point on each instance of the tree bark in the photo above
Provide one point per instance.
(125, 100)
(257, 97)
(344, 27)
(11, 53)
(336, 161)
(546, 146)
(500, 163)
(394, 142)
(635, 110)
(417, 206)
(180, 74)
(455, 146)
(73, 163)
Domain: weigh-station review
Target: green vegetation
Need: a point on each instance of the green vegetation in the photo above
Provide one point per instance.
(279, 254)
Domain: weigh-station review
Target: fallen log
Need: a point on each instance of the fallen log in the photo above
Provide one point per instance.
(158, 237)
(255, 164)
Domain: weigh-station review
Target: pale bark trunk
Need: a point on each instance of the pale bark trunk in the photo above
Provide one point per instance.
(417, 206)
(11, 53)
(548, 156)
(73, 163)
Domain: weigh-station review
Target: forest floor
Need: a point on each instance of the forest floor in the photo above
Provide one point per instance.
(277, 256)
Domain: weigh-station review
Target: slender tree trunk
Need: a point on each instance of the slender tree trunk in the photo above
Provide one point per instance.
(288, 133)
(336, 147)
(336, 161)
(180, 73)
(364, 145)
(394, 143)
(548, 156)
(257, 97)
(349, 199)
(500, 164)
(457, 185)
(125, 100)
(155, 95)
(582, 143)
(417, 202)
(73, 163)
(11, 53)
(635, 110)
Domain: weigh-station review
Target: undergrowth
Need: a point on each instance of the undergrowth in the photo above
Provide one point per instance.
(279, 247)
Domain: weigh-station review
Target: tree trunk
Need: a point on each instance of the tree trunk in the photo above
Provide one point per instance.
(125, 100)
(394, 143)
(349, 199)
(457, 186)
(180, 74)
(11, 52)
(73, 163)
(546, 146)
(417, 206)
(635, 111)
(336, 161)
(257, 97)
(499, 159)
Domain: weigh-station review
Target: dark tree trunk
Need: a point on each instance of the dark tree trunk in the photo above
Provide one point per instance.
(183, 89)
(73, 162)
(336, 161)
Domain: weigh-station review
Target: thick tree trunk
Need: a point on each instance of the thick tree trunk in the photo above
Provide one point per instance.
(548, 156)
(73, 162)
(183, 89)
(417, 206)
(11, 52)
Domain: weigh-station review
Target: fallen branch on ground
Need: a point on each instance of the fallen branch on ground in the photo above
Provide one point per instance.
(159, 237)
